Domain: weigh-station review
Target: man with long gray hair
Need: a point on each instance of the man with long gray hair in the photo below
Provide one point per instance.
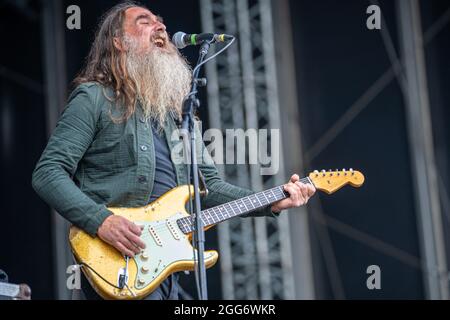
(111, 146)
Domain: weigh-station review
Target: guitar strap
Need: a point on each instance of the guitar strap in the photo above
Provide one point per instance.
(203, 188)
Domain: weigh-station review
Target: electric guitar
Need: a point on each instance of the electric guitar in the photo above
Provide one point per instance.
(167, 229)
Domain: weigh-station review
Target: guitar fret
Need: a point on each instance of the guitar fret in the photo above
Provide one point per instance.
(271, 191)
(230, 205)
(207, 216)
(248, 203)
(283, 192)
(224, 212)
(278, 193)
(237, 207)
(204, 216)
(219, 213)
(211, 216)
(268, 202)
(192, 226)
(243, 206)
(268, 196)
(256, 201)
(257, 198)
(260, 199)
(215, 218)
(231, 208)
(185, 224)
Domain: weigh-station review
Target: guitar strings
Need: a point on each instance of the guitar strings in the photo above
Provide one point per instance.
(208, 216)
(161, 226)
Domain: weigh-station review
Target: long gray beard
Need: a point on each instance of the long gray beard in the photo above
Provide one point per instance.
(163, 81)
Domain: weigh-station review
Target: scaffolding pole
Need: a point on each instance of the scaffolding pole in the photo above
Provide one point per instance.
(55, 97)
(421, 145)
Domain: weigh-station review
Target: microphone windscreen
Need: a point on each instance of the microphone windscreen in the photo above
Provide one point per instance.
(177, 40)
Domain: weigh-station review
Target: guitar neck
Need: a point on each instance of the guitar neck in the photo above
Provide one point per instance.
(237, 208)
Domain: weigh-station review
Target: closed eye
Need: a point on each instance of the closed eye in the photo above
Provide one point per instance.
(143, 19)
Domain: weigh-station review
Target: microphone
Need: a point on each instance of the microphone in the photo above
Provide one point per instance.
(182, 40)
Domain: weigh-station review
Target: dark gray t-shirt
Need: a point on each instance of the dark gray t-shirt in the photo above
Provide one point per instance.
(165, 177)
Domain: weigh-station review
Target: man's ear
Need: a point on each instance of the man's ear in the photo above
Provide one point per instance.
(118, 44)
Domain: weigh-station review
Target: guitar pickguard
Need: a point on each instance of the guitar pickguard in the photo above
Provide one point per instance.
(165, 244)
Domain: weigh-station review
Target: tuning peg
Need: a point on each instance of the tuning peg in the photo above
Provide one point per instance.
(324, 173)
(345, 172)
(352, 172)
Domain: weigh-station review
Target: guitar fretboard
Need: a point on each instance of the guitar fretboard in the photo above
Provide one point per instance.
(236, 208)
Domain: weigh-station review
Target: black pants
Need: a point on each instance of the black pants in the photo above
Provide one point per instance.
(168, 290)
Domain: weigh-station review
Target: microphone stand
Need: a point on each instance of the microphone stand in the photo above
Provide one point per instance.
(189, 107)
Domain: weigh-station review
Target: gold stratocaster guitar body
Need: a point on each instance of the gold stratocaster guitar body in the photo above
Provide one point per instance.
(168, 249)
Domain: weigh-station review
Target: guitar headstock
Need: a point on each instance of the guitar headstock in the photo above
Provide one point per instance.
(331, 181)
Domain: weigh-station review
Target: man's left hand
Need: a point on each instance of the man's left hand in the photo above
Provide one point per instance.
(299, 194)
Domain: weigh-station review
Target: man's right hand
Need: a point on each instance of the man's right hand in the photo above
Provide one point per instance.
(122, 234)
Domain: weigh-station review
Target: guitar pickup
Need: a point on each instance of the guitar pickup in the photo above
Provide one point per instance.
(173, 230)
(155, 236)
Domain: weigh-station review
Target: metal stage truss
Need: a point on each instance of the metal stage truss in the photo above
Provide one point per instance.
(255, 253)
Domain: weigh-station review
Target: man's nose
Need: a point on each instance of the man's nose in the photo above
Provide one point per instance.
(160, 26)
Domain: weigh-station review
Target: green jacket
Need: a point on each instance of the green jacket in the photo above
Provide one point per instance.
(91, 163)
